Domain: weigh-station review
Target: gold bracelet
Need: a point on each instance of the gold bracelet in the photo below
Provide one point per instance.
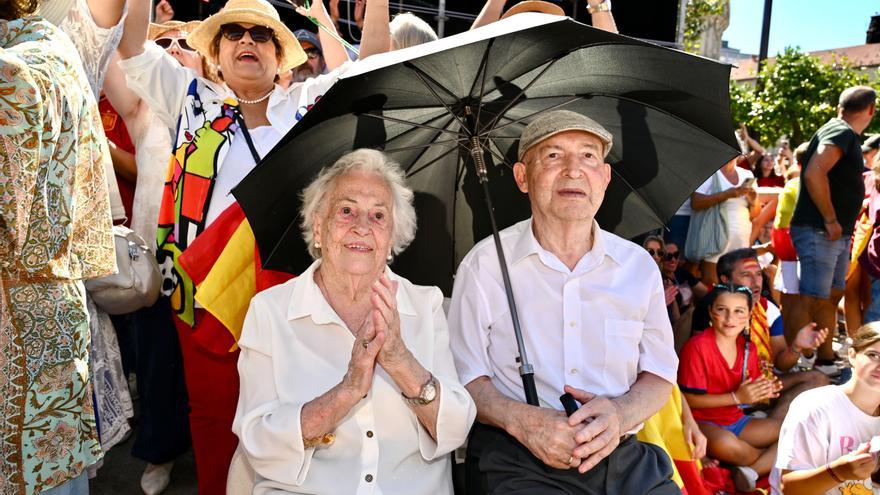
(603, 6)
(324, 440)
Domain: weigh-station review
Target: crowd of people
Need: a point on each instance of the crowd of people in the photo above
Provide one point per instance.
(707, 360)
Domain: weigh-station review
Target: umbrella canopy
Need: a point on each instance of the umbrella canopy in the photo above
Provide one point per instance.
(424, 106)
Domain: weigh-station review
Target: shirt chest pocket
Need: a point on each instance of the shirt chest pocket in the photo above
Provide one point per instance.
(622, 339)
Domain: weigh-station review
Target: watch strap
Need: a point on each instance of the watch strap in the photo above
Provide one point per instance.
(421, 400)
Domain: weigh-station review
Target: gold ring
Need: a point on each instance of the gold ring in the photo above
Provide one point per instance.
(570, 458)
(365, 343)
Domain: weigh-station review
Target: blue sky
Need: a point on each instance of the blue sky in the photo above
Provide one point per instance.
(812, 25)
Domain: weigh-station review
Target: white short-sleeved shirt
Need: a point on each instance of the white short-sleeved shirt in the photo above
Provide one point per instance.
(294, 347)
(822, 424)
(595, 327)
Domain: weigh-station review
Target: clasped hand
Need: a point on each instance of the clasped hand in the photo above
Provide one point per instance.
(580, 441)
(377, 340)
(758, 390)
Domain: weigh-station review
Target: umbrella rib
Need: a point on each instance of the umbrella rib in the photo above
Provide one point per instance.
(422, 77)
(519, 120)
(428, 164)
(516, 98)
(498, 156)
(483, 70)
(424, 74)
(412, 129)
(422, 153)
(407, 122)
(420, 146)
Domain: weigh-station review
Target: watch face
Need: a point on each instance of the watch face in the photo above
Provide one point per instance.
(430, 392)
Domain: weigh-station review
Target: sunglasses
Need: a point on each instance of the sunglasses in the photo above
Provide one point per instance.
(312, 53)
(671, 256)
(165, 43)
(656, 252)
(235, 32)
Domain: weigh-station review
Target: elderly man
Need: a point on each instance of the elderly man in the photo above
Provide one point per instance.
(594, 321)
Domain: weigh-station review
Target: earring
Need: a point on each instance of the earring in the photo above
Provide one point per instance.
(317, 245)
(389, 258)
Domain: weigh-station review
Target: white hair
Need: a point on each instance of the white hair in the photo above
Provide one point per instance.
(408, 30)
(403, 213)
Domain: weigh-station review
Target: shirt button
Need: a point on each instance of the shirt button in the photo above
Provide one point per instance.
(573, 371)
(369, 478)
(369, 434)
(572, 324)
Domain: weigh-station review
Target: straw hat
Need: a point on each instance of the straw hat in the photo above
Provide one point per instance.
(534, 6)
(185, 28)
(257, 12)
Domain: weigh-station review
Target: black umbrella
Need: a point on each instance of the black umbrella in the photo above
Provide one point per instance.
(450, 112)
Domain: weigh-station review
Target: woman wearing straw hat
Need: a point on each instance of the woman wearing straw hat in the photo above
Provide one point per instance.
(221, 131)
(162, 427)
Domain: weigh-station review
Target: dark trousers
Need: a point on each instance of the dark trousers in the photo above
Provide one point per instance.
(163, 423)
(498, 464)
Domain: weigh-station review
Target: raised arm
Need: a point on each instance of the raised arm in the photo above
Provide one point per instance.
(135, 31)
(376, 36)
(603, 20)
(124, 100)
(334, 53)
(490, 13)
(106, 13)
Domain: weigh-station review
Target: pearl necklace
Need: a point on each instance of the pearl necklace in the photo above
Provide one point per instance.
(258, 100)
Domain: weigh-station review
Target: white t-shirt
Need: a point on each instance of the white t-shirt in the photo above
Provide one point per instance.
(822, 424)
(238, 163)
(737, 209)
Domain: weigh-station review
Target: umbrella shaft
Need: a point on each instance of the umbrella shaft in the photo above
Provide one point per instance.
(525, 369)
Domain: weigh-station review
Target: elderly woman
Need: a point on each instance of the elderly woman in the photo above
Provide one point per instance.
(222, 130)
(162, 427)
(347, 381)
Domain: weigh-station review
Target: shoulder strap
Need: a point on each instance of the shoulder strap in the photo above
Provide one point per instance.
(247, 135)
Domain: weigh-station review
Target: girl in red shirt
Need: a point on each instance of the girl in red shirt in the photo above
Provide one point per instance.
(718, 375)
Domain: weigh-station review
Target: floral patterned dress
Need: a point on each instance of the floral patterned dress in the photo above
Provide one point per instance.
(54, 232)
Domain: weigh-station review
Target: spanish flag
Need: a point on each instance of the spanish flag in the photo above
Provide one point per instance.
(665, 430)
(224, 264)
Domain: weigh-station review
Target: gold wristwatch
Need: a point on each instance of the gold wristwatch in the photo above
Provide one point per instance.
(427, 394)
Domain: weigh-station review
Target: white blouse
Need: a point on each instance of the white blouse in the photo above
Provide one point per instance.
(294, 348)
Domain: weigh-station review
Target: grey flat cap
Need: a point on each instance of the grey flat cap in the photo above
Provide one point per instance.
(872, 143)
(552, 123)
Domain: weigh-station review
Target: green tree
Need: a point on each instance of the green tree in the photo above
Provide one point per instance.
(696, 14)
(799, 93)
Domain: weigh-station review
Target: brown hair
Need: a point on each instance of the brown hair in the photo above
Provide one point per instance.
(15, 9)
(866, 336)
